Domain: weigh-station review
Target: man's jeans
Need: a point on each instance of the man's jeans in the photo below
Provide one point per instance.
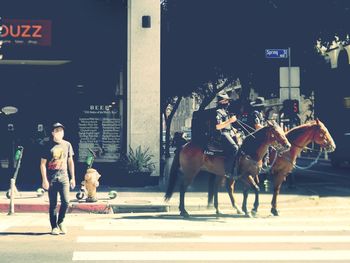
(59, 185)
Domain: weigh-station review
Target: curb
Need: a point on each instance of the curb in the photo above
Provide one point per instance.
(44, 208)
(90, 208)
(96, 208)
(25, 208)
(127, 204)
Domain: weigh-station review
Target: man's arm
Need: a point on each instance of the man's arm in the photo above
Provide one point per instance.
(222, 125)
(257, 121)
(71, 171)
(45, 182)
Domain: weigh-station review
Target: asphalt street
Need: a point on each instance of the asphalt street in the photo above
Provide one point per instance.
(320, 234)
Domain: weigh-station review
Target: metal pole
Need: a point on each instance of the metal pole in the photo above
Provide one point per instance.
(289, 74)
(12, 193)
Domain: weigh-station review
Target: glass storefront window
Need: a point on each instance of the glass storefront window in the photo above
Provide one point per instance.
(63, 61)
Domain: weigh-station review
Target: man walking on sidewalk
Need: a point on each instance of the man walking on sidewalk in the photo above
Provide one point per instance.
(56, 159)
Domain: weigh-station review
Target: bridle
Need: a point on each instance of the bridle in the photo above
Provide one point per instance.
(322, 135)
(276, 140)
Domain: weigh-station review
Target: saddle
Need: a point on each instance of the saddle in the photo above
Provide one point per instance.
(213, 149)
(217, 147)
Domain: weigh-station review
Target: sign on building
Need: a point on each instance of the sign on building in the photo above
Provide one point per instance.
(100, 129)
(26, 32)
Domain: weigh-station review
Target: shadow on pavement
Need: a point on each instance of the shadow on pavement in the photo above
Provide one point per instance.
(194, 217)
(24, 233)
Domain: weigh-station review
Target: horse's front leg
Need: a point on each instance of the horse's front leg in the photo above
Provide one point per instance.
(244, 203)
(183, 212)
(277, 182)
(216, 196)
(256, 202)
(230, 186)
(256, 190)
(211, 182)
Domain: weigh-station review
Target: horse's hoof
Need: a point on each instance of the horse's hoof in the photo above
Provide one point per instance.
(239, 211)
(248, 215)
(210, 206)
(274, 211)
(254, 212)
(219, 213)
(184, 214)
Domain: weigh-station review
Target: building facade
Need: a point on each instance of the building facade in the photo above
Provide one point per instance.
(92, 65)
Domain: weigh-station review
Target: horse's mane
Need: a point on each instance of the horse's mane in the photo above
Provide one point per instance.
(297, 131)
(250, 144)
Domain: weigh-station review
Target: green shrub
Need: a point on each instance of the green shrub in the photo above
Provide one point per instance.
(139, 160)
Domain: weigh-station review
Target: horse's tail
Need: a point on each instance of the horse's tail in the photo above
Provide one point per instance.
(173, 175)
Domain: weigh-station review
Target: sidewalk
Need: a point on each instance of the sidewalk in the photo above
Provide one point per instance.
(151, 199)
(147, 199)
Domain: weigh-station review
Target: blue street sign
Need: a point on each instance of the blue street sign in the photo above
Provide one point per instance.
(276, 53)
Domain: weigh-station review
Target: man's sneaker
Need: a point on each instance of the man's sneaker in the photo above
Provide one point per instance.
(63, 228)
(55, 231)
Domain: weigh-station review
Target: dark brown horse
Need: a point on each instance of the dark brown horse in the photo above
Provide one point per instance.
(191, 159)
(299, 138)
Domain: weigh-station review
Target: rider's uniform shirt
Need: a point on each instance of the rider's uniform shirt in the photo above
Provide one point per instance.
(222, 116)
(228, 132)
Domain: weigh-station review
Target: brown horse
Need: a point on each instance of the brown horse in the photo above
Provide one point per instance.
(191, 159)
(249, 164)
(299, 137)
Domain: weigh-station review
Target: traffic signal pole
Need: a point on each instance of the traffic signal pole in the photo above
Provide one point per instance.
(289, 74)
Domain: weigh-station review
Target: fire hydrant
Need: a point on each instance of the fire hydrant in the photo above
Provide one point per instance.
(90, 184)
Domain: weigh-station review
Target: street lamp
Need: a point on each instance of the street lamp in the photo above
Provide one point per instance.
(1, 42)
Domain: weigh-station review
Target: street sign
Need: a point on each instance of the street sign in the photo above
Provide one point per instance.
(276, 53)
(294, 77)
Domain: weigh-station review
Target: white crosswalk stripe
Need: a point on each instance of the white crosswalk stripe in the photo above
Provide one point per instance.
(297, 239)
(161, 256)
(216, 239)
(10, 221)
(238, 224)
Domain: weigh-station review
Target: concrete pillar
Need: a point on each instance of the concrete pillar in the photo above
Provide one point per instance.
(143, 95)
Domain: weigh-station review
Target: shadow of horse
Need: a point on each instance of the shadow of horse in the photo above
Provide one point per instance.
(24, 233)
(172, 217)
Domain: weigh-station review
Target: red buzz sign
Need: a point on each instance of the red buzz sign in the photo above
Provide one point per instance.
(26, 32)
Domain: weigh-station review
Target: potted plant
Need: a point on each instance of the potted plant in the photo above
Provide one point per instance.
(139, 165)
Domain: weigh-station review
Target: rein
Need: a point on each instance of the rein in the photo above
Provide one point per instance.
(268, 169)
(310, 165)
(244, 125)
(304, 167)
(278, 153)
(307, 148)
